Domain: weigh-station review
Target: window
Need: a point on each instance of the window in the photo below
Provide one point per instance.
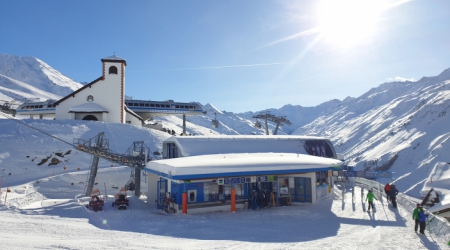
(172, 151)
(147, 105)
(141, 104)
(152, 105)
(157, 105)
(90, 98)
(113, 70)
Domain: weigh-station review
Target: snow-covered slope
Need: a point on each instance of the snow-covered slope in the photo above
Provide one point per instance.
(26, 154)
(21, 76)
(400, 126)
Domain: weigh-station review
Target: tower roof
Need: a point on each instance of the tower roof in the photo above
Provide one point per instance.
(114, 58)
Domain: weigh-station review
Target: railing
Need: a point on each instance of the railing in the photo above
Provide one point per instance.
(435, 224)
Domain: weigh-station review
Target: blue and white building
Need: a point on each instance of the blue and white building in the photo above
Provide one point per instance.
(296, 169)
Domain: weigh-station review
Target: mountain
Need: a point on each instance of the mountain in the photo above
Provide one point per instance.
(397, 126)
(29, 78)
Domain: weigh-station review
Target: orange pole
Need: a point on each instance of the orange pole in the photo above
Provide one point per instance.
(233, 200)
(184, 196)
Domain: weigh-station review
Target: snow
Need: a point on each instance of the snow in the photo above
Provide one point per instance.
(45, 206)
(403, 122)
(240, 163)
(88, 107)
(439, 180)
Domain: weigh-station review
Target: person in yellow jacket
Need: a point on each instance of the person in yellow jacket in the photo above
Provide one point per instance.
(370, 196)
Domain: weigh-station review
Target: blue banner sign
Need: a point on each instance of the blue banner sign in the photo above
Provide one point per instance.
(362, 174)
(262, 178)
(371, 175)
(385, 174)
(237, 180)
(350, 173)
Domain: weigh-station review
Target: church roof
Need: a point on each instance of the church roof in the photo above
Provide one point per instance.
(78, 90)
(88, 107)
(114, 58)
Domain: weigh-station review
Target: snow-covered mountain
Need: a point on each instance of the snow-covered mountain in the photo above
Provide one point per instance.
(29, 78)
(397, 126)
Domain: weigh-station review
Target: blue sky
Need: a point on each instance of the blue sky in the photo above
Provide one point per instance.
(237, 55)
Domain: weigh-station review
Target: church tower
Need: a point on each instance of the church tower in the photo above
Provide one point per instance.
(114, 77)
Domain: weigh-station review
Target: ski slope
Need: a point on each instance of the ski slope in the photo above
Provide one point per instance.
(49, 213)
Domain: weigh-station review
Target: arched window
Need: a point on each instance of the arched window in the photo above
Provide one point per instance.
(90, 118)
(90, 98)
(113, 70)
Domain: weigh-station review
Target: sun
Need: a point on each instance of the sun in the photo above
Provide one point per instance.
(348, 22)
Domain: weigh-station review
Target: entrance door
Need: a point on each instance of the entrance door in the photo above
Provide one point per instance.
(303, 190)
(161, 192)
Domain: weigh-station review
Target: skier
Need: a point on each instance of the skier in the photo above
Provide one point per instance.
(393, 194)
(422, 219)
(255, 199)
(416, 217)
(387, 189)
(370, 196)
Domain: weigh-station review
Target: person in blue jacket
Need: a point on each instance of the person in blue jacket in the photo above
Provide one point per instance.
(393, 194)
(422, 221)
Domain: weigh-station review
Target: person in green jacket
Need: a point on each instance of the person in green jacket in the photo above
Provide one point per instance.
(370, 196)
(416, 217)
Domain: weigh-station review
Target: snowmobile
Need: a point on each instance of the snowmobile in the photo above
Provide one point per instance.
(121, 200)
(97, 201)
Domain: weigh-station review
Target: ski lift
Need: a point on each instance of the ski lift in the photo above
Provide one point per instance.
(130, 185)
(215, 122)
(97, 201)
(257, 124)
(121, 201)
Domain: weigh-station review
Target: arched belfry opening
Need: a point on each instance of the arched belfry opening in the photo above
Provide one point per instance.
(113, 70)
(90, 118)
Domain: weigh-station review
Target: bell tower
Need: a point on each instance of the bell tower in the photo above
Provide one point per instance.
(114, 77)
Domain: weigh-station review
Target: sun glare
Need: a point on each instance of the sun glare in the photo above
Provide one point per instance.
(348, 22)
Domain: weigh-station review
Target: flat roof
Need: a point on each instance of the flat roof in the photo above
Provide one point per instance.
(242, 164)
(226, 144)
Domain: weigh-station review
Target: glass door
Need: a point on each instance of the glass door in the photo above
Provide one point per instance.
(162, 188)
(303, 189)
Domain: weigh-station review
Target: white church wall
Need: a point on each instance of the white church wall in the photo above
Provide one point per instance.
(130, 119)
(108, 93)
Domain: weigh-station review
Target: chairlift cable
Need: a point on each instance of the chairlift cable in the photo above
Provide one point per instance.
(29, 126)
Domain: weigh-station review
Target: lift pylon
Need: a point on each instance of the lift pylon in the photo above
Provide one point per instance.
(277, 119)
(137, 156)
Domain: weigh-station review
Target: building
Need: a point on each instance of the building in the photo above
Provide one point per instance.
(104, 100)
(278, 170)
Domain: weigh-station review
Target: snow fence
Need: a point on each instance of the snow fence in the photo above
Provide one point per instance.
(436, 225)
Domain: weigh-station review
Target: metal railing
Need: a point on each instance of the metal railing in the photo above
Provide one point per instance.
(436, 225)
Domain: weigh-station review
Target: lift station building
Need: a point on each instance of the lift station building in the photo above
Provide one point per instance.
(266, 170)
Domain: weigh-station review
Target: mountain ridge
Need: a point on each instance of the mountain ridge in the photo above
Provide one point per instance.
(396, 126)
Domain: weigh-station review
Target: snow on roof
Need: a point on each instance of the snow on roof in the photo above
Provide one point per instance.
(439, 180)
(113, 58)
(88, 107)
(132, 113)
(218, 144)
(222, 165)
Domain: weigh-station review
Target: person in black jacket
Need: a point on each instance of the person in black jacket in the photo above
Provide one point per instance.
(393, 194)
